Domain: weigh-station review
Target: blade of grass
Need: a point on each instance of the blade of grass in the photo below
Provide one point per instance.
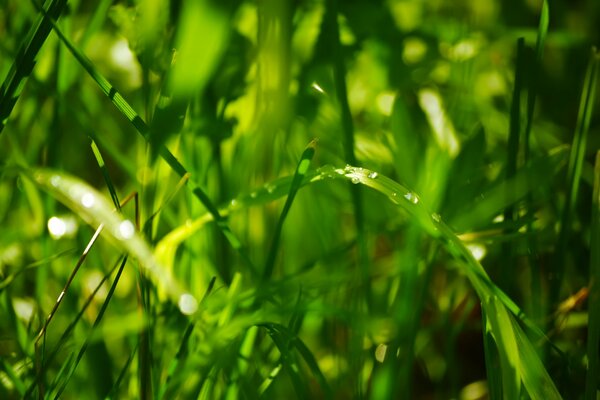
(576, 160)
(514, 137)
(106, 176)
(534, 74)
(593, 339)
(285, 341)
(299, 175)
(25, 61)
(91, 206)
(339, 76)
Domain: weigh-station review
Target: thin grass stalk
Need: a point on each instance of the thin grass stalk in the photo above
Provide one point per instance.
(348, 138)
(97, 321)
(514, 139)
(593, 338)
(575, 167)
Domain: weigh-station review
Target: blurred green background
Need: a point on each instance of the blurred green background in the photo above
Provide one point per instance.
(364, 301)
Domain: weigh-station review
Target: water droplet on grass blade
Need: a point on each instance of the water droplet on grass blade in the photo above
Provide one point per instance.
(57, 227)
(126, 230)
(88, 200)
(436, 217)
(55, 180)
(412, 197)
(373, 175)
(188, 304)
(355, 180)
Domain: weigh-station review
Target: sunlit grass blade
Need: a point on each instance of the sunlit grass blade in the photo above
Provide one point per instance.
(593, 340)
(23, 65)
(299, 175)
(91, 206)
(575, 167)
(106, 175)
(500, 328)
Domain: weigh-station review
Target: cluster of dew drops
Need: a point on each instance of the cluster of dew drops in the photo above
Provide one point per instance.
(358, 175)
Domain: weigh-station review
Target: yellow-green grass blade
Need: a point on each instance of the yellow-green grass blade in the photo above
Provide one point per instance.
(106, 176)
(93, 207)
(25, 61)
(593, 339)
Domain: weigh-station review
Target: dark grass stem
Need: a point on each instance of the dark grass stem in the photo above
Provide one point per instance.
(574, 170)
(25, 61)
(593, 340)
(339, 73)
(512, 162)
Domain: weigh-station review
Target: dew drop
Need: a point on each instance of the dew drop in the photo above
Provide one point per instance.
(126, 230)
(57, 227)
(188, 304)
(233, 203)
(436, 217)
(413, 198)
(373, 175)
(88, 200)
(355, 180)
(55, 180)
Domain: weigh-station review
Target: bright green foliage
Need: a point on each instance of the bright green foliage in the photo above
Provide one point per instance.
(311, 199)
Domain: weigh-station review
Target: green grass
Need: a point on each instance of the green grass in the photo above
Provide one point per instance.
(315, 200)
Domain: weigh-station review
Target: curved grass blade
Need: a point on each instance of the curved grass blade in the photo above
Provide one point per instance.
(593, 341)
(90, 205)
(299, 175)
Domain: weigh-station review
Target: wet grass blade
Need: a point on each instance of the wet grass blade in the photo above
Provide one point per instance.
(92, 207)
(299, 175)
(575, 167)
(593, 340)
(25, 61)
